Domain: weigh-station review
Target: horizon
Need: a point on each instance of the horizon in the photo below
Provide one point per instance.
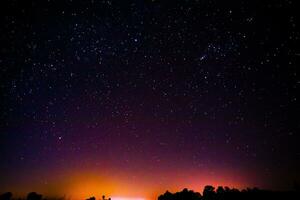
(91, 183)
(130, 197)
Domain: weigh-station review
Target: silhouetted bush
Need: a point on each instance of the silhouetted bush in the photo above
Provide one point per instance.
(6, 196)
(34, 196)
(184, 194)
(209, 192)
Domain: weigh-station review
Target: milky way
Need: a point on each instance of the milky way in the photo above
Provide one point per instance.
(134, 98)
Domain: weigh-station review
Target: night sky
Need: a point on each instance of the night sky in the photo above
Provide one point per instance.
(131, 98)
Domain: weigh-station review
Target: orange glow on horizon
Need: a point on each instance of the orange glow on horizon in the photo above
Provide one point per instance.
(82, 184)
(126, 198)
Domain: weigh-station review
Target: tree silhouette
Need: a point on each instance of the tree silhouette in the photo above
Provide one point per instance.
(226, 193)
(6, 196)
(184, 194)
(220, 190)
(209, 192)
(167, 196)
(34, 196)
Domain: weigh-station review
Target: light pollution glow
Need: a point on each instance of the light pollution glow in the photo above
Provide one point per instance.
(127, 198)
(84, 184)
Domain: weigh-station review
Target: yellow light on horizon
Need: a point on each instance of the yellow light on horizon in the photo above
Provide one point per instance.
(127, 198)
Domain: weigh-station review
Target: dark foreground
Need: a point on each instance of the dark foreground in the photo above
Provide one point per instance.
(209, 193)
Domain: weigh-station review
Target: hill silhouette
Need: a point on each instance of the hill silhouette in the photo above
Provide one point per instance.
(209, 193)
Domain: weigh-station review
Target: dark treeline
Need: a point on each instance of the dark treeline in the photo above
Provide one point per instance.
(226, 193)
(30, 196)
(209, 193)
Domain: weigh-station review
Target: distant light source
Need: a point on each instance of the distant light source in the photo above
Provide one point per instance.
(127, 198)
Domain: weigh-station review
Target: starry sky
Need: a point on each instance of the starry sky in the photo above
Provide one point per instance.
(131, 98)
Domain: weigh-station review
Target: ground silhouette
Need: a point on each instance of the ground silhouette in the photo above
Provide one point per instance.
(209, 193)
(226, 193)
